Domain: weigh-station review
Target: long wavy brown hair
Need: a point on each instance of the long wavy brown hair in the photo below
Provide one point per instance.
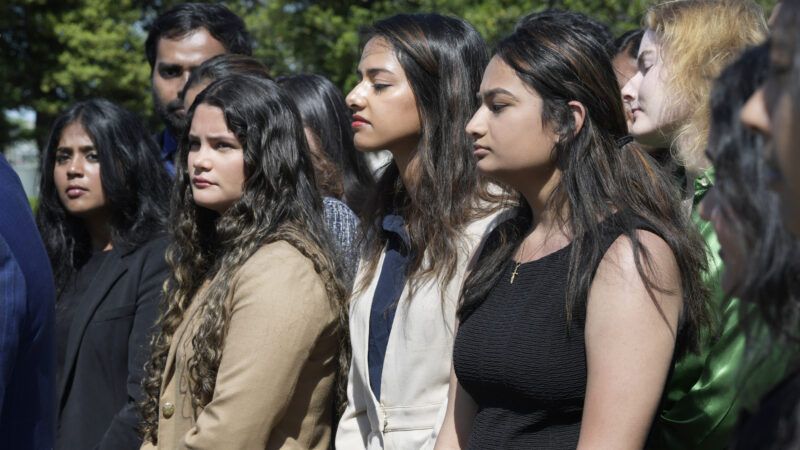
(443, 58)
(279, 202)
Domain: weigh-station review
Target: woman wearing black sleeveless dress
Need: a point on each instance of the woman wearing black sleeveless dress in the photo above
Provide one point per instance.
(570, 320)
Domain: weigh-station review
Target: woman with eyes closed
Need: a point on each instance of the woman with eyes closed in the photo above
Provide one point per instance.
(248, 345)
(422, 226)
(102, 214)
(571, 317)
(685, 46)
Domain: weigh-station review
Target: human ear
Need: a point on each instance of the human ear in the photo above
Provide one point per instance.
(578, 114)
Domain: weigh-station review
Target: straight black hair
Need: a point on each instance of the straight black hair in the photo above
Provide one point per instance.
(605, 177)
(185, 18)
(325, 113)
(134, 181)
(629, 42)
(771, 271)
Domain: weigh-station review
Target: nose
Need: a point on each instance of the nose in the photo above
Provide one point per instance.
(476, 127)
(75, 168)
(754, 113)
(355, 98)
(630, 92)
(200, 160)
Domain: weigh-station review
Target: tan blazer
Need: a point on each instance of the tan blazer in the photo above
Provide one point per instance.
(416, 370)
(275, 380)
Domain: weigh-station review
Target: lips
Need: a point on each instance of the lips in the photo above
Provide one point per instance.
(480, 151)
(359, 121)
(201, 183)
(75, 191)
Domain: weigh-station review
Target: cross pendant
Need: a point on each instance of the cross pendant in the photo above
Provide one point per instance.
(514, 274)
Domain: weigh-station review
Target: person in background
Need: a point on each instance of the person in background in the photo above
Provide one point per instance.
(341, 221)
(762, 259)
(772, 111)
(27, 295)
(571, 317)
(625, 64)
(685, 46)
(344, 172)
(102, 213)
(422, 225)
(177, 42)
(253, 330)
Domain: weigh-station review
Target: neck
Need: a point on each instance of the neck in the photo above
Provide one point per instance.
(99, 233)
(536, 190)
(406, 161)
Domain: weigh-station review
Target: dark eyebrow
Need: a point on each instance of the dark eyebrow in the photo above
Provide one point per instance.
(494, 92)
(83, 148)
(165, 66)
(375, 71)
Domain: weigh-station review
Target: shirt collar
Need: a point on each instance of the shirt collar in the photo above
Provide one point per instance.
(394, 223)
(702, 184)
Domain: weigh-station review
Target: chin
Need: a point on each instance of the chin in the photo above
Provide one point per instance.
(367, 147)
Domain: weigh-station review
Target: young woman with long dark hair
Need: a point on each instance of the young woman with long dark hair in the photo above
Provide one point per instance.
(340, 219)
(685, 46)
(102, 213)
(249, 343)
(422, 225)
(762, 258)
(572, 315)
(772, 110)
(344, 172)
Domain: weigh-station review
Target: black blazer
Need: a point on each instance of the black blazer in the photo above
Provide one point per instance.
(107, 346)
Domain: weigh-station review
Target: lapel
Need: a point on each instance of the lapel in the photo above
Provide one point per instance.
(178, 337)
(112, 268)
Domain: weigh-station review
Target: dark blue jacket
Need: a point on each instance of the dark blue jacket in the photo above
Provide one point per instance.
(27, 298)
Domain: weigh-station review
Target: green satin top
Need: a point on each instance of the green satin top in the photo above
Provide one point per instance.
(707, 391)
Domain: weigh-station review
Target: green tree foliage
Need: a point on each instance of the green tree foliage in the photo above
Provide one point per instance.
(54, 52)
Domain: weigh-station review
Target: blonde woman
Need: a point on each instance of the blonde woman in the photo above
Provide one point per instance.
(685, 46)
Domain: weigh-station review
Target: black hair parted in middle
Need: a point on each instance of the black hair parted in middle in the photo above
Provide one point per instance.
(134, 180)
(325, 113)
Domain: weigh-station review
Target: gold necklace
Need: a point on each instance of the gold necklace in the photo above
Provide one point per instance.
(519, 263)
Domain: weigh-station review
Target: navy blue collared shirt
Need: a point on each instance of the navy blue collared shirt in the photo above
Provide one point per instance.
(391, 282)
(169, 146)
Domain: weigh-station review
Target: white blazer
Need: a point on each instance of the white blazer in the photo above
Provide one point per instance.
(416, 368)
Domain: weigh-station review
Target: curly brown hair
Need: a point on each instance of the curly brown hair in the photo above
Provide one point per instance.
(279, 202)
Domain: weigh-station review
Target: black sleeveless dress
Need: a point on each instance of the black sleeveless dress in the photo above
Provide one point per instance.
(522, 362)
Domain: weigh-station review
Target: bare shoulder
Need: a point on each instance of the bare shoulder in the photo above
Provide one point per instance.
(619, 283)
(655, 256)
